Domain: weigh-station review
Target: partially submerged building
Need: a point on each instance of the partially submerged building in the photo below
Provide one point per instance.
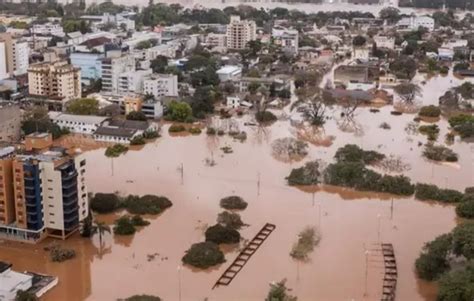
(11, 282)
(42, 191)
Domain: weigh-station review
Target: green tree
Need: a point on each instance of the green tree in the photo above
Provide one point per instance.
(407, 92)
(403, 67)
(457, 285)
(359, 41)
(159, 64)
(391, 14)
(180, 111)
(83, 106)
(279, 292)
(433, 261)
(134, 115)
(124, 226)
(463, 240)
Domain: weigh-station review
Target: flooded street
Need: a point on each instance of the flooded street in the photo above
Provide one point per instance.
(350, 222)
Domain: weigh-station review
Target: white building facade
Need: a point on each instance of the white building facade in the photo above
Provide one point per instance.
(132, 81)
(160, 85)
(414, 22)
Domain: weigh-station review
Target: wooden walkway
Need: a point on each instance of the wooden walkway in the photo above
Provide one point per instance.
(390, 273)
(245, 255)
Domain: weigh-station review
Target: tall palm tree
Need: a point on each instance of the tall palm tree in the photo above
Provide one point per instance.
(100, 228)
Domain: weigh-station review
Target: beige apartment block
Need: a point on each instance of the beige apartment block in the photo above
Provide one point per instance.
(58, 80)
(240, 32)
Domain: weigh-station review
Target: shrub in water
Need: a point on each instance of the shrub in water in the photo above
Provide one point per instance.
(147, 204)
(439, 153)
(233, 203)
(138, 221)
(58, 254)
(308, 174)
(124, 226)
(143, 298)
(433, 193)
(307, 240)
(104, 202)
(353, 153)
(430, 111)
(137, 140)
(115, 150)
(230, 219)
(176, 128)
(203, 255)
(220, 234)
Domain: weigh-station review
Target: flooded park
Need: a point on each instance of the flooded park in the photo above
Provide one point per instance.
(195, 173)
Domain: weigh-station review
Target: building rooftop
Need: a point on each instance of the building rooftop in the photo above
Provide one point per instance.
(10, 280)
(5, 151)
(87, 119)
(115, 131)
(129, 124)
(4, 266)
(229, 69)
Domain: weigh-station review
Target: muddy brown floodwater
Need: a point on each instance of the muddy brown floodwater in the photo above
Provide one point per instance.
(350, 222)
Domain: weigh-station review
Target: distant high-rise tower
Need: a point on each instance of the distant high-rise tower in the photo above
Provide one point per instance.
(240, 32)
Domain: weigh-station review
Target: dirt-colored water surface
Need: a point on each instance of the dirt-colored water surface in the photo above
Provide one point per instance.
(350, 222)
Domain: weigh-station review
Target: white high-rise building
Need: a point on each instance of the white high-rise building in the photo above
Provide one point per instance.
(21, 52)
(132, 81)
(3, 61)
(14, 54)
(240, 32)
(112, 68)
(161, 85)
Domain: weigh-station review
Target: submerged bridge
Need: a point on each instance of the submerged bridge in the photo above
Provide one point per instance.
(245, 255)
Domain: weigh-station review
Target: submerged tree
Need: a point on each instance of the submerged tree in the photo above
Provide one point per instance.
(100, 228)
(407, 92)
(313, 109)
(279, 292)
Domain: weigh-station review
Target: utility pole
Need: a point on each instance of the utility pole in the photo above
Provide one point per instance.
(179, 282)
(391, 209)
(258, 184)
(366, 271)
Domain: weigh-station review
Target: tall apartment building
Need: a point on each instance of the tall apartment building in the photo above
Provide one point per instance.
(14, 55)
(10, 121)
(112, 68)
(58, 80)
(42, 191)
(160, 85)
(132, 81)
(240, 32)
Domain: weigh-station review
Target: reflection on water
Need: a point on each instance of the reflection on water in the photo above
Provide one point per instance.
(175, 167)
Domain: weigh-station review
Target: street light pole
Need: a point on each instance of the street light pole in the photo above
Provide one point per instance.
(366, 270)
(179, 282)
(378, 227)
